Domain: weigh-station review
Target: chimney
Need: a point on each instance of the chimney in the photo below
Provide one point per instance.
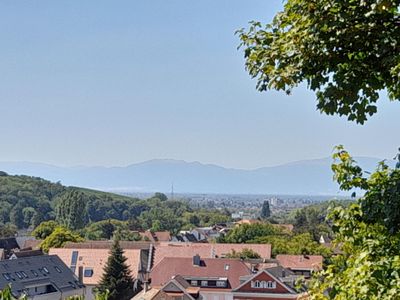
(80, 274)
(196, 260)
(145, 286)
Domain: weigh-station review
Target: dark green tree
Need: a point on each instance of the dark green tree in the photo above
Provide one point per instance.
(345, 51)
(265, 210)
(71, 209)
(117, 277)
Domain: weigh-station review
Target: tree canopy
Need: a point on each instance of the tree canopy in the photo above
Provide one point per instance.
(368, 234)
(345, 51)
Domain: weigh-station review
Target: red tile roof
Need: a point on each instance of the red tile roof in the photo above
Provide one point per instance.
(210, 268)
(205, 250)
(300, 262)
(96, 259)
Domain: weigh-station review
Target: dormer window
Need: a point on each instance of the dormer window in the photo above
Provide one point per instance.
(204, 283)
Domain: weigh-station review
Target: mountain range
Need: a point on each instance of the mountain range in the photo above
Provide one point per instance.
(306, 177)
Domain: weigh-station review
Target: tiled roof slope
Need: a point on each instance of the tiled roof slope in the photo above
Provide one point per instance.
(300, 262)
(205, 250)
(210, 267)
(107, 245)
(96, 259)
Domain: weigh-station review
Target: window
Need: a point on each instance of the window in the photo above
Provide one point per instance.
(19, 275)
(255, 284)
(6, 276)
(24, 274)
(45, 270)
(221, 283)
(74, 258)
(204, 283)
(88, 272)
(193, 282)
(270, 285)
(226, 267)
(35, 273)
(57, 269)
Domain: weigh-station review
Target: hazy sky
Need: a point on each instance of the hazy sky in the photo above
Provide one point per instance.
(119, 82)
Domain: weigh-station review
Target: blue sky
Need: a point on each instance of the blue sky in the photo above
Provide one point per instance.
(118, 82)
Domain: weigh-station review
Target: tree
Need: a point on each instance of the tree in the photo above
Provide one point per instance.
(265, 210)
(368, 233)
(71, 209)
(6, 294)
(44, 229)
(58, 238)
(117, 277)
(294, 244)
(246, 253)
(345, 51)
(248, 232)
(8, 230)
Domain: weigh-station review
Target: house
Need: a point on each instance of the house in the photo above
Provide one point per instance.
(40, 277)
(8, 245)
(301, 264)
(177, 288)
(268, 284)
(215, 277)
(156, 236)
(205, 250)
(87, 260)
(184, 237)
(25, 253)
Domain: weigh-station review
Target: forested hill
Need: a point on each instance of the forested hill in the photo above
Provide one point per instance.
(27, 201)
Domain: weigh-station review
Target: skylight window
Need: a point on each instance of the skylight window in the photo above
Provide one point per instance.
(88, 272)
(24, 274)
(57, 269)
(35, 273)
(6, 276)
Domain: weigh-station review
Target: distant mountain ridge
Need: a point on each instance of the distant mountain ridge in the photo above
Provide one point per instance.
(306, 177)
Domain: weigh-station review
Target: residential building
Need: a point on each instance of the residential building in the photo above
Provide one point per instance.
(43, 277)
(9, 245)
(205, 250)
(177, 288)
(156, 236)
(25, 253)
(216, 277)
(87, 260)
(301, 264)
(275, 283)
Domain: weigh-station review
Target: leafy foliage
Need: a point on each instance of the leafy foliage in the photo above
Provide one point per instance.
(105, 230)
(246, 253)
(346, 51)
(368, 235)
(58, 238)
(294, 244)
(117, 278)
(7, 230)
(6, 294)
(44, 229)
(249, 232)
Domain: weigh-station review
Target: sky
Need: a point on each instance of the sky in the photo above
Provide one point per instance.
(113, 83)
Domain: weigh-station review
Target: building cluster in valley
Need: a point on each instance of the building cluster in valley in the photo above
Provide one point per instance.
(164, 268)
